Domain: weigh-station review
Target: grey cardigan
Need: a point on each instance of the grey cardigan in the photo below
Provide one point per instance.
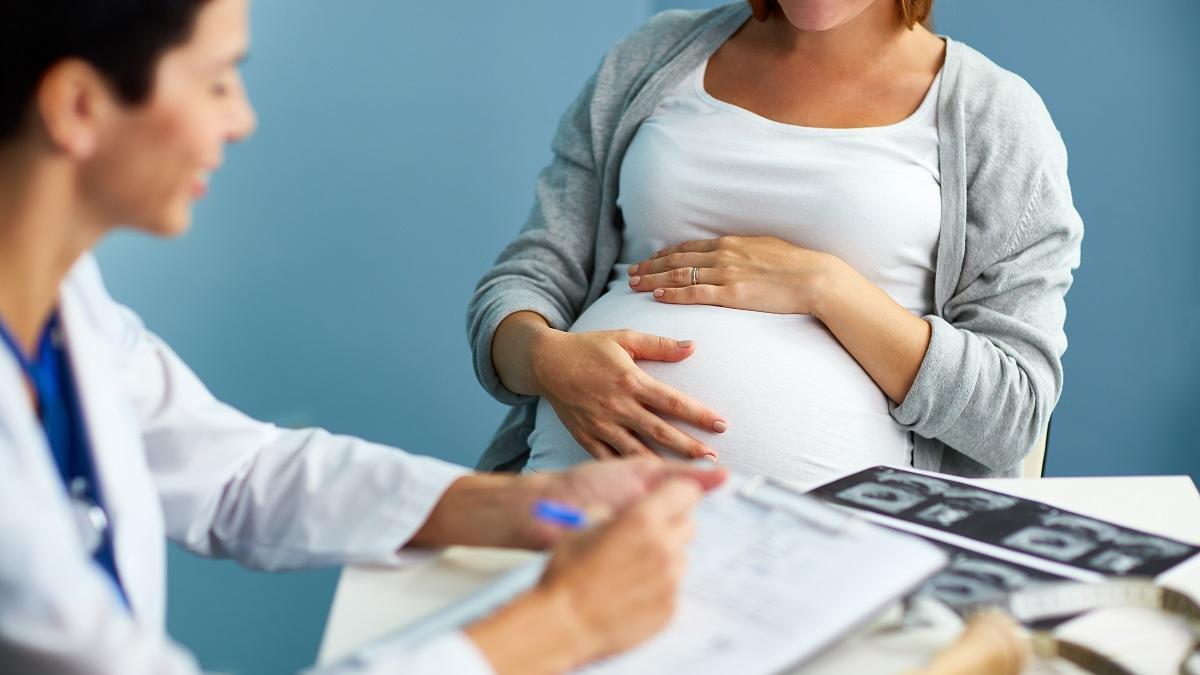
(1008, 245)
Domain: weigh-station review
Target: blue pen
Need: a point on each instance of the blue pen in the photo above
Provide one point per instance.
(558, 513)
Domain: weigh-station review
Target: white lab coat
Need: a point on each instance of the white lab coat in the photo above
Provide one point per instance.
(172, 460)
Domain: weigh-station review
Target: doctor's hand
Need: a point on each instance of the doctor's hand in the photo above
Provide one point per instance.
(764, 274)
(604, 489)
(498, 509)
(603, 591)
(595, 386)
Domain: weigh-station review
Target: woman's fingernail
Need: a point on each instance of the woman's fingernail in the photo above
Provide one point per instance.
(635, 281)
(633, 269)
(710, 457)
(658, 292)
(685, 343)
(719, 426)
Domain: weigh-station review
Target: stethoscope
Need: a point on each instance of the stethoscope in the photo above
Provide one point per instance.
(90, 518)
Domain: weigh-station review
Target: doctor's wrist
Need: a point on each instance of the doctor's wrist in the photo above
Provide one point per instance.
(467, 514)
(487, 510)
(538, 632)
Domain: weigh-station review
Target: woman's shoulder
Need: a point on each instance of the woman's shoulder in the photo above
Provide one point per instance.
(664, 27)
(999, 106)
(1015, 165)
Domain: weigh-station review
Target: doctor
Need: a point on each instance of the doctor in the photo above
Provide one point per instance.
(117, 111)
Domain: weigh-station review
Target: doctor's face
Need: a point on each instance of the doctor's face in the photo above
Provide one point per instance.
(153, 159)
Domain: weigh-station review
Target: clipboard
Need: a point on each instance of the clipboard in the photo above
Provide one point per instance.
(775, 576)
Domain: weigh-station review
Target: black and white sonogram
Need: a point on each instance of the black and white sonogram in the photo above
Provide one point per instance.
(886, 498)
(1130, 551)
(971, 581)
(1022, 525)
(1047, 543)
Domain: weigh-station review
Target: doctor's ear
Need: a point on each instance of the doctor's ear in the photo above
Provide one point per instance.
(73, 103)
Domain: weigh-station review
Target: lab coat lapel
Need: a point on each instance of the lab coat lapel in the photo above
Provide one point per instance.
(19, 423)
(127, 487)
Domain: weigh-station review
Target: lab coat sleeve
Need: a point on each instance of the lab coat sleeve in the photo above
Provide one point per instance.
(451, 652)
(59, 613)
(271, 498)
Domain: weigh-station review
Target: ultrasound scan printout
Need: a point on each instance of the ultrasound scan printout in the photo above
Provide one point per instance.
(1013, 523)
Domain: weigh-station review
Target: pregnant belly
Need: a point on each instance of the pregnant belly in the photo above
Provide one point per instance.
(799, 407)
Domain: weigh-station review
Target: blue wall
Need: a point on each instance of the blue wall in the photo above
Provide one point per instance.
(327, 276)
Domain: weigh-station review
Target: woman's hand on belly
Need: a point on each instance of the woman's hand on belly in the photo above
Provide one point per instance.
(767, 274)
(763, 274)
(609, 404)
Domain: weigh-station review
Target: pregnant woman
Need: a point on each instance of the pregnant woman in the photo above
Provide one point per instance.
(797, 236)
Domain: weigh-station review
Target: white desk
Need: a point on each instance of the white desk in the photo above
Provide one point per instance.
(370, 603)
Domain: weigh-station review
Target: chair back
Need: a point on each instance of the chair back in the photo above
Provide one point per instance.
(1034, 464)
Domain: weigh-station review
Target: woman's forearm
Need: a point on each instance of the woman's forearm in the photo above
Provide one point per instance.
(887, 340)
(513, 346)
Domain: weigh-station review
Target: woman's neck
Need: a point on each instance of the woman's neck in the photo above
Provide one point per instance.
(44, 228)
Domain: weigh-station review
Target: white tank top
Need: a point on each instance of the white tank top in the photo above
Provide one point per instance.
(799, 407)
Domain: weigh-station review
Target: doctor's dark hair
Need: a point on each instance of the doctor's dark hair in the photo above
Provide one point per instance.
(122, 39)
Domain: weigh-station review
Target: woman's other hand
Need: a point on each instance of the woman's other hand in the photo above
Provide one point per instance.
(609, 404)
(604, 590)
(764, 274)
(595, 386)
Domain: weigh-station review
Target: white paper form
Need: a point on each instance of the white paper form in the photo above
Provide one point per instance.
(766, 590)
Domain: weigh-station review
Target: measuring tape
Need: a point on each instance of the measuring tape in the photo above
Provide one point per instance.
(1059, 600)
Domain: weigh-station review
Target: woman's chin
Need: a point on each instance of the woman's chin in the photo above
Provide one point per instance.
(817, 17)
(816, 23)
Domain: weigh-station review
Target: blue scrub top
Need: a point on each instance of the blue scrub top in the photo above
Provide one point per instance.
(49, 372)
